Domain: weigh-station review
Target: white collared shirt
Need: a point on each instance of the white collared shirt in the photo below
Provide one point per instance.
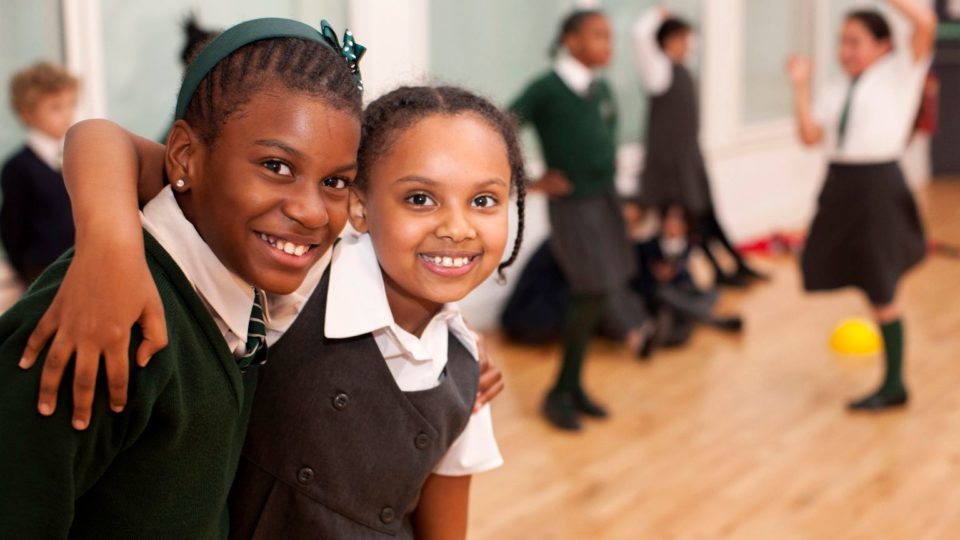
(655, 67)
(573, 73)
(357, 305)
(48, 149)
(883, 107)
(228, 298)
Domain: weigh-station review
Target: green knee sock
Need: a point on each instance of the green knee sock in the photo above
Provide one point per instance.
(583, 315)
(893, 348)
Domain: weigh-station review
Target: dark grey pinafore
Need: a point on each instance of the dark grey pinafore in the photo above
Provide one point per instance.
(673, 170)
(335, 449)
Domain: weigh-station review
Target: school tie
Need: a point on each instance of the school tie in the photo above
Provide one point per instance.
(845, 115)
(256, 351)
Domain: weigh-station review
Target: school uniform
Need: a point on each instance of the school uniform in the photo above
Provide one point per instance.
(36, 224)
(673, 170)
(163, 467)
(867, 231)
(574, 114)
(353, 413)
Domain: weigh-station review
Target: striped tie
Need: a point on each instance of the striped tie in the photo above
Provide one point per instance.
(256, 351)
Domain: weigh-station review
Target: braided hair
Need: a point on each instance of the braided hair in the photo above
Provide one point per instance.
(402, 108)
(289, 63)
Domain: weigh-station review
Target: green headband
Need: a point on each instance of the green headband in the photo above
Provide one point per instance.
(248, 32)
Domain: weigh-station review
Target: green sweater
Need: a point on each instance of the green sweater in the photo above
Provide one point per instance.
(160, 469)
(577, 134)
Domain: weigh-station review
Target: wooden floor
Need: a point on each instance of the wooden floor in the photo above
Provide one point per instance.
(745, 437)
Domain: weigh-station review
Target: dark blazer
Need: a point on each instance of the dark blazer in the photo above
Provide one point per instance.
(36, 223)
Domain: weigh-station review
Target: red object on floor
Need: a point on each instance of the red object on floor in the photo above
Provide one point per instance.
(775, 244)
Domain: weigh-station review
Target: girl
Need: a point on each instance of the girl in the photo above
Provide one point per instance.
(163, 467)
(390, 443)
(867, 233)
(574, 114)
(674, 170)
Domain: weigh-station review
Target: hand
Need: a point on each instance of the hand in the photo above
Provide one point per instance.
(799, 69)
(491, 378)
(107, 289)
(554, 183)
(664, 272)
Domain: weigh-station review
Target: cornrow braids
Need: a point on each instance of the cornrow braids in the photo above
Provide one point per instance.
(290, 63)
(402, 108)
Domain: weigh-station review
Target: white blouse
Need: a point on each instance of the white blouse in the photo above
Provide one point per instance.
(883, 106)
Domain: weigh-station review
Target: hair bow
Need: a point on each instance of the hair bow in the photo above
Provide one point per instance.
(351, 51)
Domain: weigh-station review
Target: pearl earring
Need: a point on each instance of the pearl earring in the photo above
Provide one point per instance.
(179, 184)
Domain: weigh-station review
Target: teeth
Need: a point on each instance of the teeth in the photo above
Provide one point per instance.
(283, 245)
(449, 262)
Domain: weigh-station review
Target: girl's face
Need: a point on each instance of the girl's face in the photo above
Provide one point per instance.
(859, 49)
(591, 44)
(436, 207)
(269, 196)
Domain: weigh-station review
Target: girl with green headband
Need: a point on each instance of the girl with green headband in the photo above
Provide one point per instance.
(264, 152)
(370, 461)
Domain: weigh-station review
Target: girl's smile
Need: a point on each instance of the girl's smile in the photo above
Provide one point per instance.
(450, 263)
(288, 251)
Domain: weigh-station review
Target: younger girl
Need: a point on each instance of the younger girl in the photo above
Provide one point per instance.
(573, 111)
(867, 232)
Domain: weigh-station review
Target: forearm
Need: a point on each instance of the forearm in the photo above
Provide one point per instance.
(652, 63)
(107, 171)
(810, 131)
(443, 508)
(924, 22)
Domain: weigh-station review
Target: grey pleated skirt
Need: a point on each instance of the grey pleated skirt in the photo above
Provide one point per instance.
(866, 233)
(679, 178)
(589, 240)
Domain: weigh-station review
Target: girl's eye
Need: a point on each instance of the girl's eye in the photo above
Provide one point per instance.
(335, 182)
(420, 199)
(278, 167)
(484, 201)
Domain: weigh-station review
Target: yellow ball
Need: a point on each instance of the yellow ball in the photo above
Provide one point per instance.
(856, 337)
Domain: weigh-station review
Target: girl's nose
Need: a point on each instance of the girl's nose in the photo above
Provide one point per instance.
(307, 207)
(456, 226)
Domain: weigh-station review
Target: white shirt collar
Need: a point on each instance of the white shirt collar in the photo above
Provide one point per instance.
(357, 300)
(573, 73)
(228, 297)
(48, 149)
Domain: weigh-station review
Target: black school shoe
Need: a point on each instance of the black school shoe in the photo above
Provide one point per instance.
(880, 401)
(729, 324)
(559, 408)
(733, 281)
(749, 274)
(587, 406)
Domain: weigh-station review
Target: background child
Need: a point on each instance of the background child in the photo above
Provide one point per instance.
(665, 280)
(35, 221)
(162, 468)
(673, 169)
(573, 111)
(867, 231)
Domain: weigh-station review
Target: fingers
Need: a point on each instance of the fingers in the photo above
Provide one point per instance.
(154, 327)
(53, 367)
(84, 383)
(485, 397)
(117, 364)
(45, 329)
